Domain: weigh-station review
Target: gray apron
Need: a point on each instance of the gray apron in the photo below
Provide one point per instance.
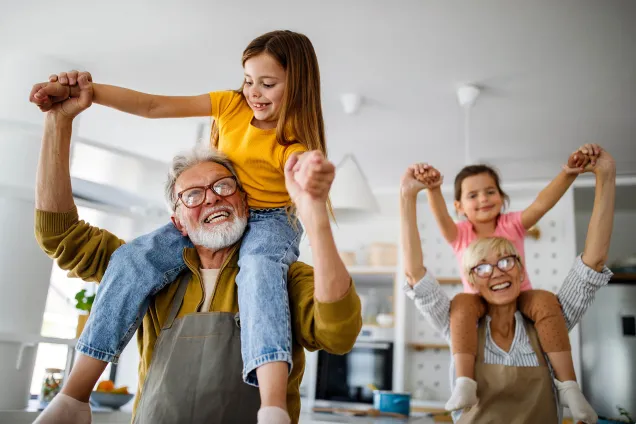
(195, 373)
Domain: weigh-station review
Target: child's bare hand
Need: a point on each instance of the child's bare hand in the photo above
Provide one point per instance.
(583, 159)
(428, 175)
(418, 177)
(57, 89)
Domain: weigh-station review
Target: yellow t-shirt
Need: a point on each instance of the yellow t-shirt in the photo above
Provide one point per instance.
(257, 157)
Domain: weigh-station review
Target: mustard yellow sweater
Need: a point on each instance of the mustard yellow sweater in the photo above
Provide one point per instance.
(85, 251)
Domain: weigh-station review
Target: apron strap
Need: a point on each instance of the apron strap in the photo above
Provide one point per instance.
(176, 302)
(534, 341)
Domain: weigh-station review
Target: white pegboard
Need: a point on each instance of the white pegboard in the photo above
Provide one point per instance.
(427, 374)
(548, 260)
(418, 329)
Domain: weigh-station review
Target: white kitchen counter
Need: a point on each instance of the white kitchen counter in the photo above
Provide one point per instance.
(27, 417)
(124, 417)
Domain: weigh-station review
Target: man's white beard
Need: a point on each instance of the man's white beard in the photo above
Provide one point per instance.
(219, 237)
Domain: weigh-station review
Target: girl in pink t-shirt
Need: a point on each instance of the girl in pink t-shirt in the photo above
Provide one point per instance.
(480, 199)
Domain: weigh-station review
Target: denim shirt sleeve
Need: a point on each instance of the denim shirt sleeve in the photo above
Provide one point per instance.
(78, 247)
(334, 326)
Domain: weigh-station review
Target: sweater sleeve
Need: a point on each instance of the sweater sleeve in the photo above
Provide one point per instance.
(78, 247)
(332, 326)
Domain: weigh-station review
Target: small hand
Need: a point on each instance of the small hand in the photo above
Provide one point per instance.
(428, 175)
(59, 88)
(582, 159)
(67, 106)
(420, 176)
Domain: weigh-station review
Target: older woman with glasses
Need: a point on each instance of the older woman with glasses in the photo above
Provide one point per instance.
(515, 381)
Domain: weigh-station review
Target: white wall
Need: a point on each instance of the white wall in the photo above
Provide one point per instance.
(158, 139)
(623, 243)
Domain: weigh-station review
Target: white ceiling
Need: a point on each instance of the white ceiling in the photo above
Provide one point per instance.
(556, 73)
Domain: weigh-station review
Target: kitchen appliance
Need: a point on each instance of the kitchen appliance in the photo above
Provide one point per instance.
(608, 347)
(342, 380)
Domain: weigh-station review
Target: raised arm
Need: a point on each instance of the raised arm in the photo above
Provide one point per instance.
(324, 300)
(78, 247)
(421, 287)
(549, 196)
(432, 180)
(444, 221)
(410, 240)
(599, 230)
(308, 186)
(53, 191)
(123, 99)
(589, 272)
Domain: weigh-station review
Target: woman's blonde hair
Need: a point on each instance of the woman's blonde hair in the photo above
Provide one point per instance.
(479, 249)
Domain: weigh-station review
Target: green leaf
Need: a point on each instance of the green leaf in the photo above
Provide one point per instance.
(84, 303)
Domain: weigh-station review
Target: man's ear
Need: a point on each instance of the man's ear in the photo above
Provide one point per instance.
(175, 221)
(247, 207)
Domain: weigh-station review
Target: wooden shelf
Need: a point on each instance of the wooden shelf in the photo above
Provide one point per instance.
(425, 346)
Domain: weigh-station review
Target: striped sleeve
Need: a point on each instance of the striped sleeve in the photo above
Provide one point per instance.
(578, 290)
(432, 303)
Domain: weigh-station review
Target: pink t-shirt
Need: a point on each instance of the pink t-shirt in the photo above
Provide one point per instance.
(509, 227)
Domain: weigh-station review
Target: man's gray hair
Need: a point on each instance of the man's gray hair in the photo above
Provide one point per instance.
(185, 160)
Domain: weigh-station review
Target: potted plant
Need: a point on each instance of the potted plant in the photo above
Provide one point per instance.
(625, 418)
(84, 304)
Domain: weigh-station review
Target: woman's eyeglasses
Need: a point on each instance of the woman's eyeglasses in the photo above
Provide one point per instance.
(504, 264)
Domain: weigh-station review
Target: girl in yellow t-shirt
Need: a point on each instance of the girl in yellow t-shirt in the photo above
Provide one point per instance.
(276, 114)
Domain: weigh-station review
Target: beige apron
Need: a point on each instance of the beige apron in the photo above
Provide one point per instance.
(195, 373)
(512, 395)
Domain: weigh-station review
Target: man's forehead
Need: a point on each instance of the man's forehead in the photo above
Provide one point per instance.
(202, 174)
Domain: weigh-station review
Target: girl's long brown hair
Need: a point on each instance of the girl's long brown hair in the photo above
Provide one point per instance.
(300, 118)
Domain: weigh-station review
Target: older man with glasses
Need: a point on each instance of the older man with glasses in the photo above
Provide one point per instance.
(189, 341)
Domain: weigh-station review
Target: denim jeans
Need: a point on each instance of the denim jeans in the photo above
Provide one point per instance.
(136, 271)
(140, 269)
(270, 245)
